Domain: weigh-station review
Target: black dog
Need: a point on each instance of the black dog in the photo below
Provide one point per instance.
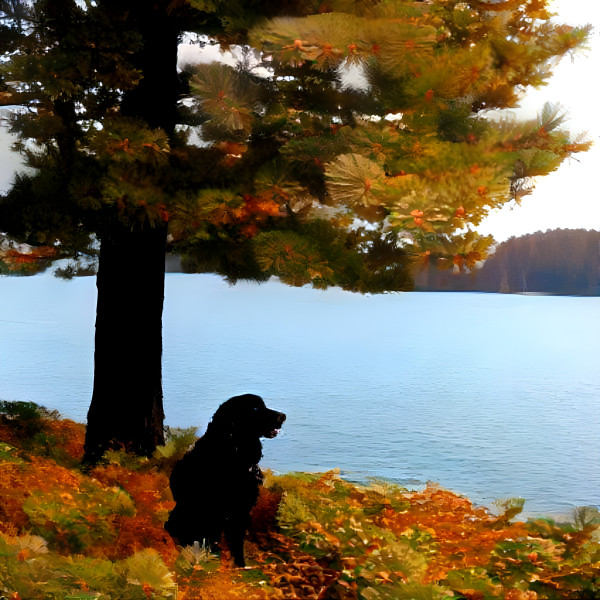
(215, 485)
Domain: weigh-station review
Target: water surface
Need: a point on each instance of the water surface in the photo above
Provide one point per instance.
(493, 396)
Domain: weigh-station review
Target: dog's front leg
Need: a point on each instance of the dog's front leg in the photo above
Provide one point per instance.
(234, 534)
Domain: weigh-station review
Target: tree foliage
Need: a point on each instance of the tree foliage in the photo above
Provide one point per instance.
(345, 127)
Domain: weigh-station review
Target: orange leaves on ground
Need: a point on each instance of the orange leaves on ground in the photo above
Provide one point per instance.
(139, 532)
(8, 434)
(150, 492)
(312, 536)
(63, 434)
(218, 585)
(75, 512)
(464, 536)
(264, 513)
(18, 480)
(300, 577)
(132, 532)
(69, 434)
(385, 537)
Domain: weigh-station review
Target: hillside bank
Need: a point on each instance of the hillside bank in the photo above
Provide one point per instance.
(68, 533)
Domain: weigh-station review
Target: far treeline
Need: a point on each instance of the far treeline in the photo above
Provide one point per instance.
(562, 261)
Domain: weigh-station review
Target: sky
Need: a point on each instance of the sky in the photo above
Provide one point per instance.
(568, 198)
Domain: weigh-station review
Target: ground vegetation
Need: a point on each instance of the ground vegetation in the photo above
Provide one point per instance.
(68, 533)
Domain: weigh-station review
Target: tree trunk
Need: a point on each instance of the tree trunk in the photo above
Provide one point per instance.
(127, 402)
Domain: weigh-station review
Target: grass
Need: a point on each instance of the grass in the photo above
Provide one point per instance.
(69, 534)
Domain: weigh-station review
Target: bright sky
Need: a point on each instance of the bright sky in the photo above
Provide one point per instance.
(568, 198)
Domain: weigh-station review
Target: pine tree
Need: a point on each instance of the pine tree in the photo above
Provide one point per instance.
(352, 140)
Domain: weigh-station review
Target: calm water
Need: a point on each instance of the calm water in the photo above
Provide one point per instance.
(490, 395)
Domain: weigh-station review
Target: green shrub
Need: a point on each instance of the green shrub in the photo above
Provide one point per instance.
(196, 558)
(128, 460)
(29, 570)
(9, 453)
(24, 417)
(146, 571)
(73, 522)
(177, 442)
(584, 516)
(49, 445)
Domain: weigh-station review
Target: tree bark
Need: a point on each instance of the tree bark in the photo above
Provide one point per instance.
(127, 402)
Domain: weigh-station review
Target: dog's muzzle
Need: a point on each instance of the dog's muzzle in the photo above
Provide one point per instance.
(278, 419)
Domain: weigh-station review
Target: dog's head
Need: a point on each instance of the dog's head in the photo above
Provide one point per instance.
(249, 414)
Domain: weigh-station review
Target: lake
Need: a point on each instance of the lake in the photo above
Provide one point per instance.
(493, 396)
